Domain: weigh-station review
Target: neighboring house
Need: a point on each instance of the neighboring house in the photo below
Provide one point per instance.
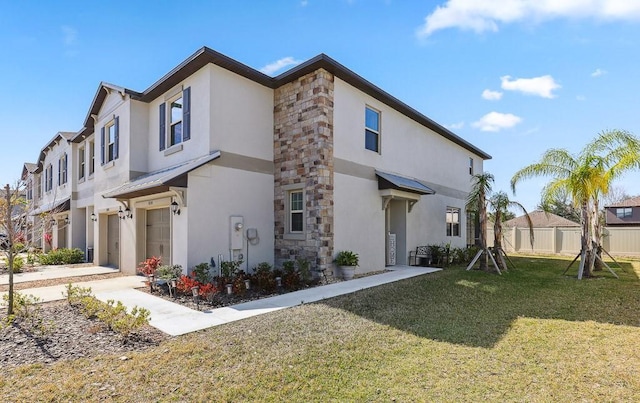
(625, 213)
(218, 161)
(540, 219)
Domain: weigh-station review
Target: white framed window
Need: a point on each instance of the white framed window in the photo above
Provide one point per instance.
(30, 189)
(453, 221)
(92, 157)
(81, 163)
(62, 170)
(48, 178)
(296, 211)
(372, 129)
(175, 119)
(109, 141)
(471, 166)
(624, 212)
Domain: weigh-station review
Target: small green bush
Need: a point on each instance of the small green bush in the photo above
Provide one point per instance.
(61, 256)
(26, 310)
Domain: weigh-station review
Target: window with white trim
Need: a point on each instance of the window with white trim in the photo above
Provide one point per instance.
(453, 221)
(92, 157)
(30, 189)
(296, 211)
(81, 163)
(624, 212)
(62, 170)
(110, 140)
(372, 129)
(175, 119)
(48, 178)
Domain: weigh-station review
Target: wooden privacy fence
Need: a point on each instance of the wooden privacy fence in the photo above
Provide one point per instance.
(566, 240)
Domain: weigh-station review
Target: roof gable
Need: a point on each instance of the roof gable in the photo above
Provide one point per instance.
(630, 202)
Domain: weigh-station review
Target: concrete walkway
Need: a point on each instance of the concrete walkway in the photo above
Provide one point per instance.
(49, 273)
(175, 319)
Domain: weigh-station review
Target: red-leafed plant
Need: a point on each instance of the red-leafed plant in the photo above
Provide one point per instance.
(149, 266)
(186, 283)
(207, 290)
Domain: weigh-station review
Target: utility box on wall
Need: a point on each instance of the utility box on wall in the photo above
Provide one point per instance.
(235, 232)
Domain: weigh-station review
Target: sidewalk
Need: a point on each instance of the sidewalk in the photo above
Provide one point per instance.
(175, 319)
(56, 272)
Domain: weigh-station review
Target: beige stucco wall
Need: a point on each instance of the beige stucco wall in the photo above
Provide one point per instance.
(408, 149)
(215, 194)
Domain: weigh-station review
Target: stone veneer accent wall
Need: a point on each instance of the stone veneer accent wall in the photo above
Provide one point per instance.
(303, 154)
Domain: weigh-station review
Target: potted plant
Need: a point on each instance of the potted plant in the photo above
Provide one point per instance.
(347, 261)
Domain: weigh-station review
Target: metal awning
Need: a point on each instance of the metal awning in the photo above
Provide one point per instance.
(161, 180)
(57, 206)
(397, 182)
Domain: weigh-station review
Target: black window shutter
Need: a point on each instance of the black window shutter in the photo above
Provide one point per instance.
(59, 171)
(186, 114)
(117, 139)
(102, 146)
(163, 122)
(64, 179)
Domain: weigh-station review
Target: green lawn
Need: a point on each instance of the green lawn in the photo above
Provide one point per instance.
(528, 335)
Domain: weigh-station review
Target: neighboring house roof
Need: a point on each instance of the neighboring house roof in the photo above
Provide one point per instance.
(67, 136)
(160, 180)
(28, 168)
(206, 55)
(540, 219)
(631, 202)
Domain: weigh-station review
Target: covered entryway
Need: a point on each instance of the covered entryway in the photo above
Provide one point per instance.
(113, 240)
(399, 195)
(159, 234)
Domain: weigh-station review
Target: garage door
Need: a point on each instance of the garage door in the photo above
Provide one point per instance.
(159, 234)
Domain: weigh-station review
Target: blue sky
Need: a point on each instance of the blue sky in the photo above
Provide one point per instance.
(514, 77)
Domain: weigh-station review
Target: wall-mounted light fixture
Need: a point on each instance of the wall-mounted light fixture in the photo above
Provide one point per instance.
(93, 217)
(53, 222)
(175, 208)
(67, 221)
(124, 214)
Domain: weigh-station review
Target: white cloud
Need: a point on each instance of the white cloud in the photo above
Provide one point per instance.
(542, 86)
(70, 35)
(491, 95)
(598, 73)
(271, 68)
(496, 121)
(581, 98)
(481, 16)
(455, 126)
(304, 3)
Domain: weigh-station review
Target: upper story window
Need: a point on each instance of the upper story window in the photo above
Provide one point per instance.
(453, 221)
(48, 178)
(109, 140)
(81, 163)
(372, 129)
(30, 189)
(62, 170)
(92, 157)
(624, 212)
(38, 182)
(175, 126)
(471, 166)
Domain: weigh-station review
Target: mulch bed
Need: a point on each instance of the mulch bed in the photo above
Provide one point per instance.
(72, 336)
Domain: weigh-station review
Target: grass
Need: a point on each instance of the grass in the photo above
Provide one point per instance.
(529, 335)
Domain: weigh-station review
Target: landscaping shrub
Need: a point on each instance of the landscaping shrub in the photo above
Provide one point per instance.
(149, 266)
(61, 256)
(26, 310)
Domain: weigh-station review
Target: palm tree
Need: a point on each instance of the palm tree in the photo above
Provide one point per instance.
(500, 204)
(477, 201)
(585, 177)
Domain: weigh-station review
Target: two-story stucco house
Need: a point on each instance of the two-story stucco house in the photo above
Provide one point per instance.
(624, 213)
(217, 160)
